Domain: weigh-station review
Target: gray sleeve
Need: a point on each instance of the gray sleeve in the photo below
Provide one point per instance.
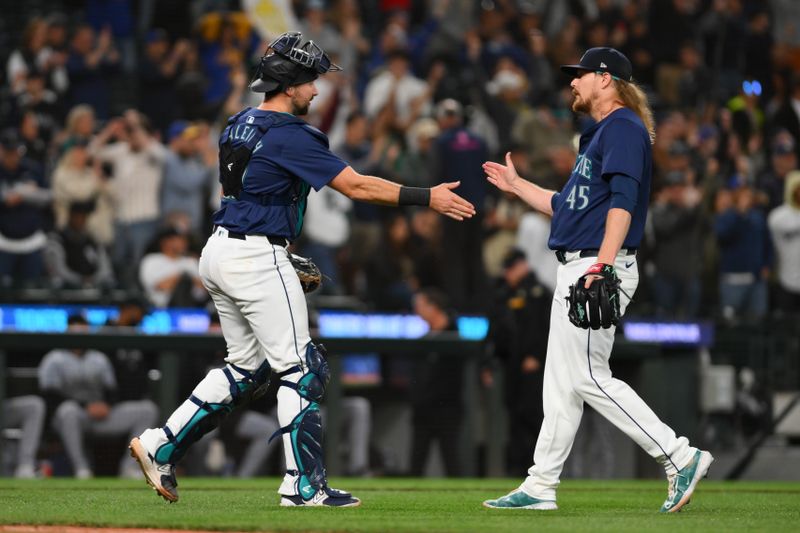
(49, 373)
(105, 273)
(37, 196)
(109, 380)
(56, 261)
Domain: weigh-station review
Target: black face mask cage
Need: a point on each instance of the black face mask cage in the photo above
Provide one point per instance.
(309, 55)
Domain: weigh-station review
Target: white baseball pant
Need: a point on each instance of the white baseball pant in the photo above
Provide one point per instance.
(263, 314)
(577, 371)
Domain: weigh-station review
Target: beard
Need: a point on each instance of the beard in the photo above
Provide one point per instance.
(299, 107)
(581, 106)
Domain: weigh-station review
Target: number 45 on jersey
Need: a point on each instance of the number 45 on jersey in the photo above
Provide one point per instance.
(578, 197)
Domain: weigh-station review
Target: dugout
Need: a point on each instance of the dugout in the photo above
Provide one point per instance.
(667, 375)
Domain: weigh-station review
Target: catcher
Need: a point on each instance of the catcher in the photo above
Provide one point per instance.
(598, 223)
(269, 161)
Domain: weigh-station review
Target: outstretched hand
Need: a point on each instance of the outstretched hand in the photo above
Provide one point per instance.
(503, 177)
(448, 203)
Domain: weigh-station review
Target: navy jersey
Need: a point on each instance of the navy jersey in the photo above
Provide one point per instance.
(459, 156)
(26, 218)
(616, 148)
(290, 158)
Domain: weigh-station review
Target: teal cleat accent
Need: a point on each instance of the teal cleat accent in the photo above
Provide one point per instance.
(682, 484)
(519, 500)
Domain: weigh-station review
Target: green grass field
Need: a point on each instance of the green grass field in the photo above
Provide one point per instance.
(399, 505)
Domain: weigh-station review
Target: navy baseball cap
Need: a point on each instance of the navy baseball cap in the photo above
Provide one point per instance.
(783, 146)
(10, 140)
(512, 256)
(603, 59)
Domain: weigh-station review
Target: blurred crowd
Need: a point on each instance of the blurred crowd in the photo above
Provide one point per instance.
(111, 111)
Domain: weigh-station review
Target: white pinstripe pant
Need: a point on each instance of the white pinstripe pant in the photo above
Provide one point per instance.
(577, 371)
(263, 314)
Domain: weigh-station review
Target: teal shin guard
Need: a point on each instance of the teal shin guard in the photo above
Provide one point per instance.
(220, 392)
(306, 437)
(206, 418)
(305, 429)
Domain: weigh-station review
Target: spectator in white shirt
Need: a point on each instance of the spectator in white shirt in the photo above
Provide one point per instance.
(327, 229)
(784, 226)
(397, 86)
(170, 277)
(136, 167)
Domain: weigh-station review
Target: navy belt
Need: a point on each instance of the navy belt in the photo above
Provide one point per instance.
(561, 255)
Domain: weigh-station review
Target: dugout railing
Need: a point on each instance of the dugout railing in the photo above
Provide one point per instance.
(174, 350)
(668, 378)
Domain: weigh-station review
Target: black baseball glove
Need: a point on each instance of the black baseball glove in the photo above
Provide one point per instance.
(307, 271)
(597, 306)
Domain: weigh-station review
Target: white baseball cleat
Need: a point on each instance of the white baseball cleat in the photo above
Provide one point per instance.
(324, 497)
(159, 476)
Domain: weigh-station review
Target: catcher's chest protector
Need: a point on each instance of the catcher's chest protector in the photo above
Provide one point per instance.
(237, 143)
(233, 161)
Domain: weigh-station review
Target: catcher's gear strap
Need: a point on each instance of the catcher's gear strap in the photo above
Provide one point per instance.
(308, 272)
(311, 385)
(242, 389)
(233, 161)
(251, 386)
(597, 306)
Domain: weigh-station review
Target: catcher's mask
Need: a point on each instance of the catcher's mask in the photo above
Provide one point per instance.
(287, 63)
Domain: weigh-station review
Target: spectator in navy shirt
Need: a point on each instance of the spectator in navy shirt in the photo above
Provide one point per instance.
(679, 227)
(23, 195)
(782, 161)
(89, 65)
(458, 155)
(159, 69)
(745, 252)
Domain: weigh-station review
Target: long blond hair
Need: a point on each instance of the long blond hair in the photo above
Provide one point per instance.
(634, 98)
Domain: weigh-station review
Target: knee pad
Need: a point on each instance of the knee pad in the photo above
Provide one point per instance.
(250, 386)
(311, 385)
(212, 404)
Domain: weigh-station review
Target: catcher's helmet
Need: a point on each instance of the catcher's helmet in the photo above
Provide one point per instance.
(287, 63)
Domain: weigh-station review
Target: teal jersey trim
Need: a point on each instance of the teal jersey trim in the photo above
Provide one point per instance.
(305, 189)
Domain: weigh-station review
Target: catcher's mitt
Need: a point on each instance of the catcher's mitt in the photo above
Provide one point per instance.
(597, 306)
(307, 271)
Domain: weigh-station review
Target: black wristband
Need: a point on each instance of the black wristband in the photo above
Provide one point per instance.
(414, 196)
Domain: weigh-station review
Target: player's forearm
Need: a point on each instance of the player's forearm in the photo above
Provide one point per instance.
(370, 189)
(535, 196)
(377, 190)
(617, 223)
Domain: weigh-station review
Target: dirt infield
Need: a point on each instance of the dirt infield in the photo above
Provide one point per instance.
(80, 529)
